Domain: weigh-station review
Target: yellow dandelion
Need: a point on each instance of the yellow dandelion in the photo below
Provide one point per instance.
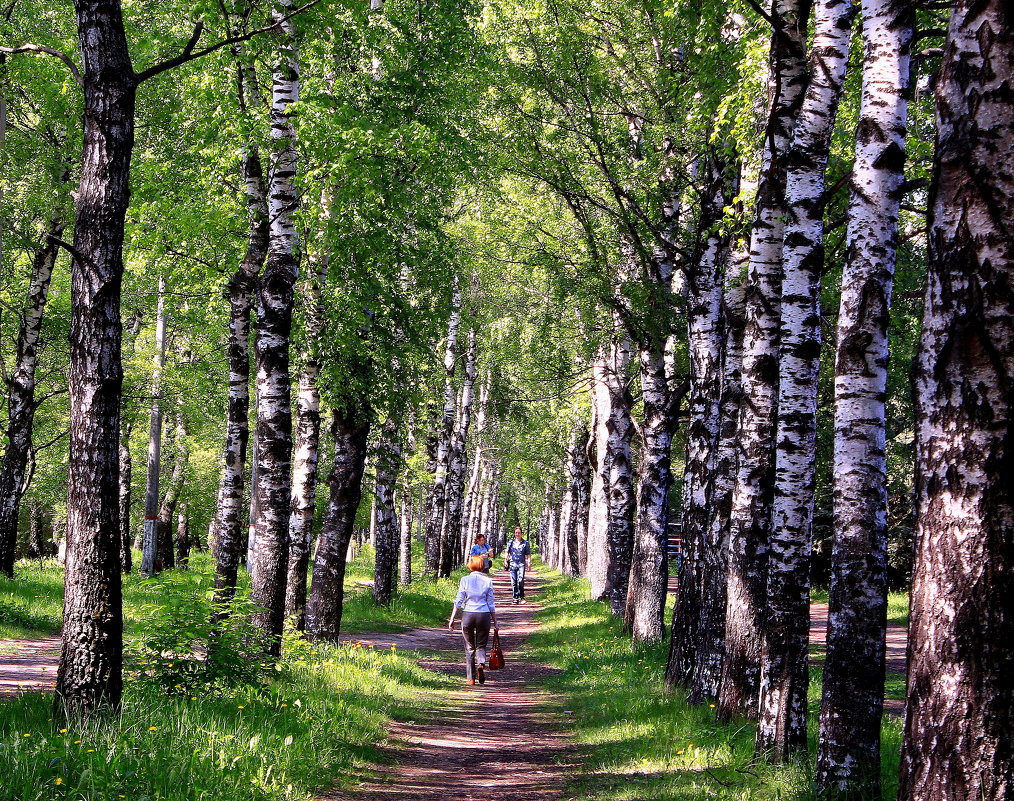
(241, 706)
(193, 697)
(152, 728)
(91, 750)
(63, 731)
(680, 751)
(27, 734)
(57, 780)
(284, 705)
(711, 705)
(77, 742)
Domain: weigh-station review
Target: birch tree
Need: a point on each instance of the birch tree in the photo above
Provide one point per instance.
(386, 556)
(610, 536)
(710, 651)
(230, 533)
(781, 726)
(457, 465)
(699, 598)
(304, 473)
(149, 544)
(751, 498)
(848, 749)
(21, 403)
(960, 715)
(274, 318)
(438, 495)
(350, 427)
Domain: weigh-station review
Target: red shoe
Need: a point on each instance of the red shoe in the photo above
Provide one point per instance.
(470, 681)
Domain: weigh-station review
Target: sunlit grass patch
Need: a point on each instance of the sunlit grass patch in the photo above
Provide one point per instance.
(635, 741)
(317, 722)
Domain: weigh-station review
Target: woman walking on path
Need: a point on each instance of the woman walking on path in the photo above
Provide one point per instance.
(475, 599)
(482, 549)
(519, 559)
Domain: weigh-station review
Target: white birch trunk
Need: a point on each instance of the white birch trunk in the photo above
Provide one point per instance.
(781, 729)
(754, 475)
(450, 535)
(305, 454)
(848, 749)
(436, 510)
(959, 724)
(21, 405)
(386, 555)
(149, 544)
(274, 314)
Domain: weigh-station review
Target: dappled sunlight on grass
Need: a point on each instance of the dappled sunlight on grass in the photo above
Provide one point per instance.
(636, 741)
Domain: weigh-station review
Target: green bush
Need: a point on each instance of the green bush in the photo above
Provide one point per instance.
(181, 649)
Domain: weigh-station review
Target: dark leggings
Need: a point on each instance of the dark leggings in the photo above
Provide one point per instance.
(475, 629)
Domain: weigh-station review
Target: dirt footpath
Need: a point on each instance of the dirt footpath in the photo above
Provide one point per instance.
(504, 740)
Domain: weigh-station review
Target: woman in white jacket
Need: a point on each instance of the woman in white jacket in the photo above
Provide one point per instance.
(475, 599)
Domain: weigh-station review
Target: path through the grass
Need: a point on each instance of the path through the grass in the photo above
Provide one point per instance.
(505, 740)
(28, 665)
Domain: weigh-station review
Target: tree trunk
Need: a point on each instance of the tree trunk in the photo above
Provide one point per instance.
(126, 476)
(386, 557)
(91, 659)
(231, 534)
(751, 499)
(649, 572)
(700, 596)
(274, 318)
(959, 727)
(436, 507)
(405, 533)
(350, 427)
(470, 509)
(450, 536)
(304, 474)
(707, 672)
(610, 536)
(183, 537)
(619, 481)
(576, 498)
(149, 544)
(21, 404)
(848, 749)
(781, 729)
(165, 554)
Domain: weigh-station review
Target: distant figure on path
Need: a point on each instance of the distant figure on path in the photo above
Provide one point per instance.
(519, 559)
(482, 549)
(475, 599)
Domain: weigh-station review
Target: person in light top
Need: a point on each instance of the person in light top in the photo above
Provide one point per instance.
(475, 599)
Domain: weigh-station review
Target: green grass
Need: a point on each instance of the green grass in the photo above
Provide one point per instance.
(315, 724)
(31, 605)
(635, 742)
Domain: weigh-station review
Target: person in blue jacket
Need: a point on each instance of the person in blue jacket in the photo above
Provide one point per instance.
(518, 557)
(482, 549)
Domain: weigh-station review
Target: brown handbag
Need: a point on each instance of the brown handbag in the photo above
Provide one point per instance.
(496, 661)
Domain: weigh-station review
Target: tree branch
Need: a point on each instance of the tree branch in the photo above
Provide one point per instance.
(49, 51)
(190, 54)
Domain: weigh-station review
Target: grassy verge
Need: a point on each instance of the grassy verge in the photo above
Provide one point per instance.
(31, 605)
(314, 723)
(638, 743)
